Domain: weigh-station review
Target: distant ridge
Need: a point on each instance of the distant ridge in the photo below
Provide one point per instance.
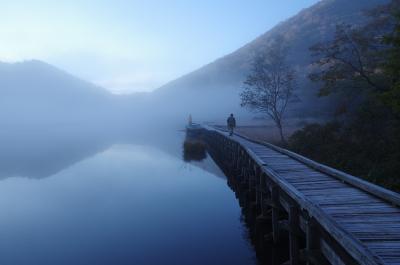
(34, 92)
(223, 78)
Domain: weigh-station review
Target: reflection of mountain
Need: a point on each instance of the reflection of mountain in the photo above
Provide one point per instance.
(171, 142)
(42, 153)
(209, 165)
(212, 91)
(41, 107)
(38, 154)
(50, 119)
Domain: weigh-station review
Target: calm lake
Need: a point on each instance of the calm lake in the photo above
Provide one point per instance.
(66, 200)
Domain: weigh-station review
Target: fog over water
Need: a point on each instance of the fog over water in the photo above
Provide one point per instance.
(88, 176)
(70, 197)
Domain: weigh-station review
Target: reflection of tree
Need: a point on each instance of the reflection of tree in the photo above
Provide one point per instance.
(194, 150)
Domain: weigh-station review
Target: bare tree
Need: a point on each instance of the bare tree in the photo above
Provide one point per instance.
(270, 85)
(351, 58)
(355, 56)
(352, 63)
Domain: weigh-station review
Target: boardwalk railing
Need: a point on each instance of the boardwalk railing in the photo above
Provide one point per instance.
(384, 194)
(330, 217)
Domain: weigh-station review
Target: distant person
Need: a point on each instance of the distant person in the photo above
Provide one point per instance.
(231, 122)
(190, 120)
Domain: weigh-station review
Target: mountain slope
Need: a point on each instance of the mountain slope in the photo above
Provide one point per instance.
(219, 83)
(35, 92)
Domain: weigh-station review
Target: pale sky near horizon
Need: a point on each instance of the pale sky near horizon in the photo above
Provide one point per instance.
(130, 45)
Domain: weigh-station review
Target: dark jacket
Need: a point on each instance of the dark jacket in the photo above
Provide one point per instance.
(231, 122)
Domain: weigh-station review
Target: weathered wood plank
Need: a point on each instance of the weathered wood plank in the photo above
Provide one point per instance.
(360, 217)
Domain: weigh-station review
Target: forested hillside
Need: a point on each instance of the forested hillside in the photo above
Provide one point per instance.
(222, 80)
(361, 67)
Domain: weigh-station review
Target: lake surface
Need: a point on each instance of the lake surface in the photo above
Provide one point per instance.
(91, 201)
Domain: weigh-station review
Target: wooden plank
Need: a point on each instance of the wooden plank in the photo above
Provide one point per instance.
(314, 188)
(378, 191)
(371, 208)
(352, 245)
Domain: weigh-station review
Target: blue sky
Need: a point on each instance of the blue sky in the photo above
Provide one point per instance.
(130, 45)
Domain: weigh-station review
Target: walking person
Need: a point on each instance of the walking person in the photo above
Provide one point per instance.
(231, 122)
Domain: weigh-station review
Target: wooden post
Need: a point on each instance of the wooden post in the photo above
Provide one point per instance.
(258, 194)
(252, 180)
(293, 235)
(264, 195)
(312, 240)
(312, 253)
(312, 235)
(275, 213)
(242, 168)
(236, 158)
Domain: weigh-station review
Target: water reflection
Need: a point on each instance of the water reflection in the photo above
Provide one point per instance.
(35, 153)
(134, 202)
(194, 150)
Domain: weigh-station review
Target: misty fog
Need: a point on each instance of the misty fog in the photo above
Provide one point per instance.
(101, 156)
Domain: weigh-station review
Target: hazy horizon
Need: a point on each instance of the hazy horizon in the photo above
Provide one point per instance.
(160, 132)
(130, 46)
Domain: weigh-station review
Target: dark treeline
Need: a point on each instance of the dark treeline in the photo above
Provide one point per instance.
(360, 66)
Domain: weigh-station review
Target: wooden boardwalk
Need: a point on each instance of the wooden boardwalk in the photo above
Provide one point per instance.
(330, 217)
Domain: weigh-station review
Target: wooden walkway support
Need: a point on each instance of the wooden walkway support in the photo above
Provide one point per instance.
(329, 217)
